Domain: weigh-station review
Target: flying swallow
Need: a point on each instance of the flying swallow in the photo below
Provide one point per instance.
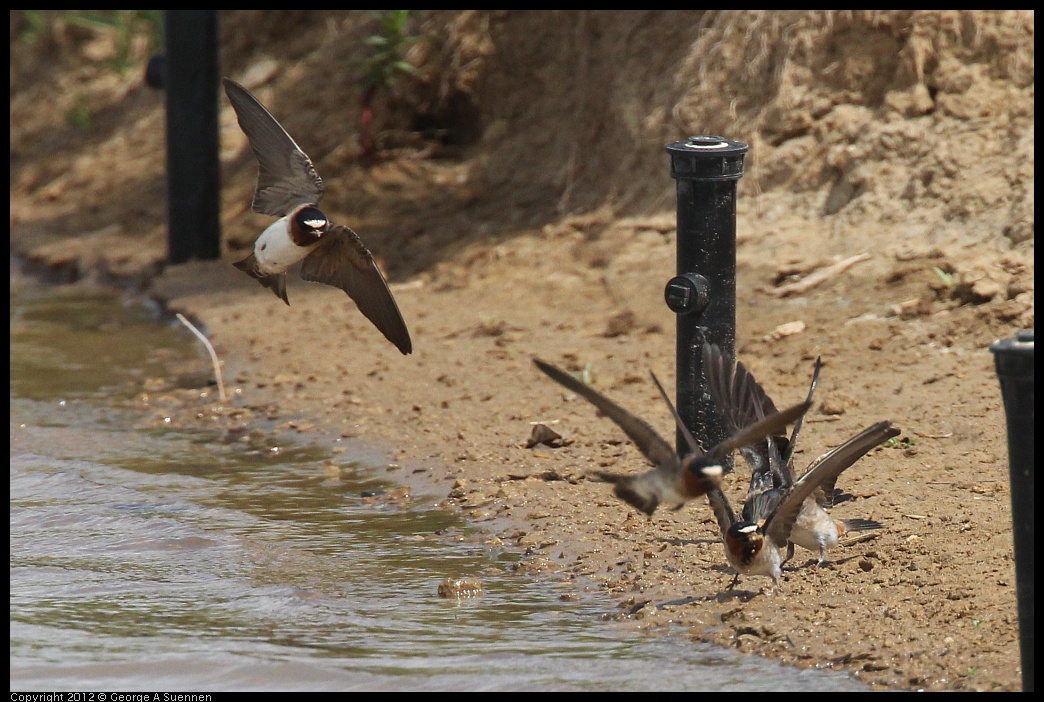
(675, 480)
(289, 188)
(742, 401)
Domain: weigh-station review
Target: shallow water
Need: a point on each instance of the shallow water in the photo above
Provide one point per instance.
(173, 560)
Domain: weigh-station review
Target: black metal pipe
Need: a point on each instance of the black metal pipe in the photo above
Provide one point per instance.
(1013, 359)
(703, 294)
(193, 170)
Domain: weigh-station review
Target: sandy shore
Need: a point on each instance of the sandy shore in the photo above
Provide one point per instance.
(927, 603)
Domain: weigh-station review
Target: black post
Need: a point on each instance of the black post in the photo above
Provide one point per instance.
(703, 294)
(1014, 362)
(193, 172)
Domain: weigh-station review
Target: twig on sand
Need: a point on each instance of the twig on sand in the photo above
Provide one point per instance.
(858, 538)
(210, 348)
(813, 279)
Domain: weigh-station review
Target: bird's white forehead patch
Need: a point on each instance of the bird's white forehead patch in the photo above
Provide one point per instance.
(714, 471)
(748, 529)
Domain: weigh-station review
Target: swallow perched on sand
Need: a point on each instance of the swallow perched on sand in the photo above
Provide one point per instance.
(742, 400)
(753, 544)
(675, 480)
(289, 188)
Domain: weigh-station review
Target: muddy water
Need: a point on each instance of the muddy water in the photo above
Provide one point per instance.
(172, 560)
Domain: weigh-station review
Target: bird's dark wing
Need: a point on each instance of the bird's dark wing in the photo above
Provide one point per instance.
(343, 261)
(824, 471)
(773, 424)
(826, 494)
(742, 402)
(651, 444)
(690, 440)
(788, 452)
(722, 510)
(741, 398)
(760, 505)
(285, 175)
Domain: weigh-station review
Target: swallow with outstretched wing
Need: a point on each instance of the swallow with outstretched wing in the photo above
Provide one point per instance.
(289, 188)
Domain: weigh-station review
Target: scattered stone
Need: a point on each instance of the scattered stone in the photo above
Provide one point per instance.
(459, 588)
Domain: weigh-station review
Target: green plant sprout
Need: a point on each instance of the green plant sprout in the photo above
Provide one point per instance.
(382, 68)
